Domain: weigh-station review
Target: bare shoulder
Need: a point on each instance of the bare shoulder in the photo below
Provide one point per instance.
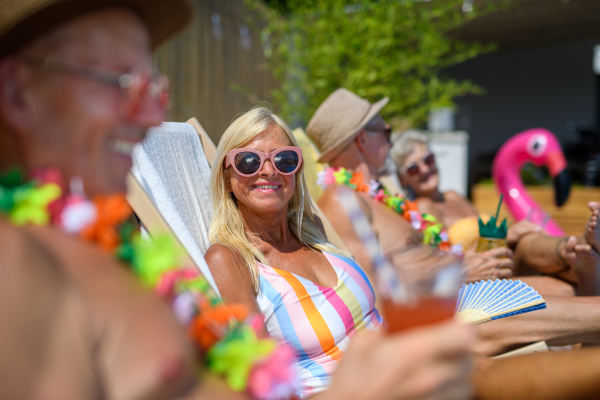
(424, 202)
(224, 261)
(453, 196)
(34, 292)
(461, 201)
(26, 261)
(218, 253)
(231, 275)
(140, 336)
(332, 194)
(331, 203)
(427, 206)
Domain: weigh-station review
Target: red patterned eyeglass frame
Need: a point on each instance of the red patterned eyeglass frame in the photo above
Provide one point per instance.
(230, 159)
(405, 169)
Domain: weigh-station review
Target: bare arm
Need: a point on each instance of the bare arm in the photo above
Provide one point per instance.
(542, 376)
(334, 211)
(566, 320)
(424, 363)
(543, 253)
(232, 277)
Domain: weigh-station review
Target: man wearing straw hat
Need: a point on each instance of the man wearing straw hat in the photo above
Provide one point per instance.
(351, 134)
(77, 91)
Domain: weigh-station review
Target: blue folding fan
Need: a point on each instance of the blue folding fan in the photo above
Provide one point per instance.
(489, 300)
(476, 303)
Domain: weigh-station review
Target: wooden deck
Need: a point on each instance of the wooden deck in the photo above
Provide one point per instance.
(571, 217)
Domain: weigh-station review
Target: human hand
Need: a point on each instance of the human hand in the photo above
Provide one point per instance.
(423, 363)
(519, 229)
(492, 264)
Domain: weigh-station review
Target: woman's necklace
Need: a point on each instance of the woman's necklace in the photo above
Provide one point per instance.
(427, 224)
(227, 337)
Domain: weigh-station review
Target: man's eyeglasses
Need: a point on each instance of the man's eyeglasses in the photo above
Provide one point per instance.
(386, 131)
(413, 169)
(135, 85)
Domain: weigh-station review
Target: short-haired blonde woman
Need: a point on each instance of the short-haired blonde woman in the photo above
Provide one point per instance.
(270, 253)
(418, 175)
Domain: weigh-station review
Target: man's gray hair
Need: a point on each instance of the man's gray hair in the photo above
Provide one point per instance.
(403, 143)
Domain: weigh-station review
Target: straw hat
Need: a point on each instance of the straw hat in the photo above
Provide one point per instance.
(338, 120)
(23, 20)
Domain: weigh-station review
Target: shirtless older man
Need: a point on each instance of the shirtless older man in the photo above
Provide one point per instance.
(350, 133)
(76, 94)
(75, 324)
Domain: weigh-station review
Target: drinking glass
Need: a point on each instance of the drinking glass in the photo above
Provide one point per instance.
(428, 284)
(417, 283)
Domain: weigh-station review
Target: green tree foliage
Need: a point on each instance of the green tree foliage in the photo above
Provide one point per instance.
(373, 48)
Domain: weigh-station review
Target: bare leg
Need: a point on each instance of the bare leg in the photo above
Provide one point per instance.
(592, 230)
(585, 263)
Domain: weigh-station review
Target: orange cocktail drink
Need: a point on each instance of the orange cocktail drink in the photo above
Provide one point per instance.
(425, 311)
(428, 287)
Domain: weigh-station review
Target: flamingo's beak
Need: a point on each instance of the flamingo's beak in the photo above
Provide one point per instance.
(562, 186)
(557, 165)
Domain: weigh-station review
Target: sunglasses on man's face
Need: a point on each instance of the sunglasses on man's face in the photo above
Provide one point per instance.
(249, 162)
(413, 169)
(385, 131)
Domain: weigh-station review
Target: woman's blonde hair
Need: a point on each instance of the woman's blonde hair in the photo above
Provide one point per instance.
(227, 227)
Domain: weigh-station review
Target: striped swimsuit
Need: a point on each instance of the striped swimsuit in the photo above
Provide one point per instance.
(317, 321)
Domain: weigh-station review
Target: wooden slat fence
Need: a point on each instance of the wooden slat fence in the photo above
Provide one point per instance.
(214, 72)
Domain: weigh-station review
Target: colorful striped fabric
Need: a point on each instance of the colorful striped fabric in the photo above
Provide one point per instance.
(317, 321)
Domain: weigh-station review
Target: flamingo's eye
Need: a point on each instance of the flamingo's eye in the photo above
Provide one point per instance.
(537, 145)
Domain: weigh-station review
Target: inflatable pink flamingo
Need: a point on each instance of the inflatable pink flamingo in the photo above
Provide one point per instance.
(540, 147)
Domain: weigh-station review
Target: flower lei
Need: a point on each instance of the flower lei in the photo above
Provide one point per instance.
(427, 224)
(226, 335)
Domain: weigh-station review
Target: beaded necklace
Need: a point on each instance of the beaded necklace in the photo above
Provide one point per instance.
(427, 224)
(226, 336)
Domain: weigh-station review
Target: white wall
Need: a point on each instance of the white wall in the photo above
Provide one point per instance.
(452, 159)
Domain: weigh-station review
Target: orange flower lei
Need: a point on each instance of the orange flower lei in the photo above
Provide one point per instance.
(427, 224)
(229, 340)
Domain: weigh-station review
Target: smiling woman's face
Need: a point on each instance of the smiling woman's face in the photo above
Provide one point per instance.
(267, 192)
(423, 179)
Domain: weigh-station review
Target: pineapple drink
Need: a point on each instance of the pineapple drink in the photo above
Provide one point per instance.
(491, 236)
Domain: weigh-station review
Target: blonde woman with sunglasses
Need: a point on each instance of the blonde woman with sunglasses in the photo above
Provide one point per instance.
(270, 253)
